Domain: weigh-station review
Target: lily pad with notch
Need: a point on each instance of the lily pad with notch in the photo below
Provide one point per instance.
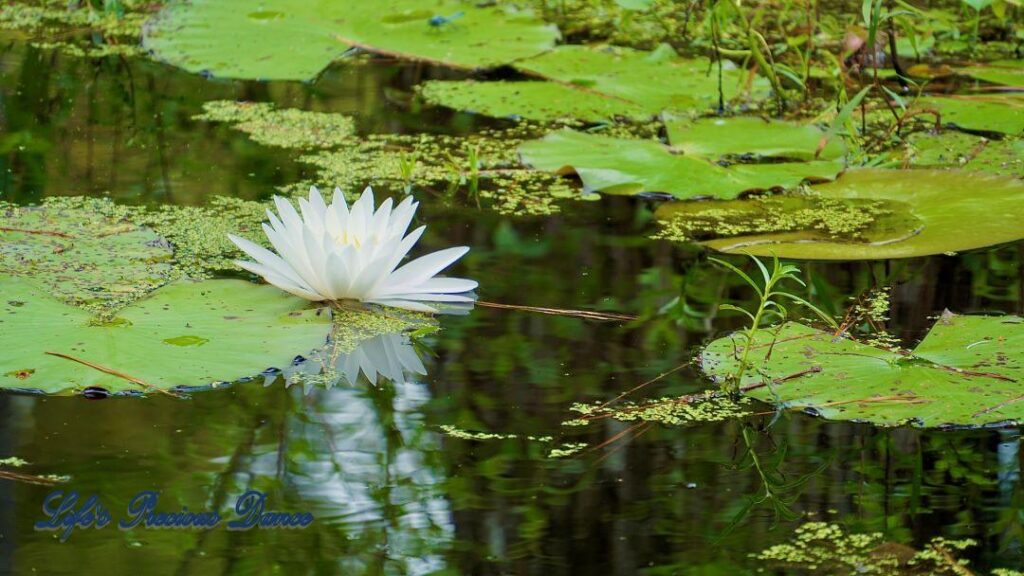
(968, 371)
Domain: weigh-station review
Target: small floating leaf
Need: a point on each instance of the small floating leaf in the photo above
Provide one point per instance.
(968, 371)
(187, 340)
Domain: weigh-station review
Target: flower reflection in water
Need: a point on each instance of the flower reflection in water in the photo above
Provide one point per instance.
(363, 458)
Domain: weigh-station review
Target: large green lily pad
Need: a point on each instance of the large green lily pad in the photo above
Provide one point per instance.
(595, 84)
(968, 371)
(296, 39)
(185, 334)
(957, 211)
(997, 113)
(692, 166)
(81, 256)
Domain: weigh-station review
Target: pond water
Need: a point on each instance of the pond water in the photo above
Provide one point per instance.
(392, 492)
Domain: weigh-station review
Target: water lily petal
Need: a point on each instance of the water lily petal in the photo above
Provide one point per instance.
(404, 304)
(446, 285)
(424, 267)
(281, 282)
(266, 258)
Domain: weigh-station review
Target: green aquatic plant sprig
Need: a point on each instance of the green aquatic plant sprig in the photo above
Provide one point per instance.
(770, 306)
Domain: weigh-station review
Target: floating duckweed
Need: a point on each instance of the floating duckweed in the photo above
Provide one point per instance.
(828, 549)
(689, 221)
(567, 449)
(442, 166)
(13, 462)
(354, 326)
(285, 128)
(456, 432)
(52, 24)
(873, 308)
(875, 305)
(199, 234)
(707, 407)
(84, 251)
(461, 434)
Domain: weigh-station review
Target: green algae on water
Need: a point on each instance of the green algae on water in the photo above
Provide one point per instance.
(199, 234)
(826, 548)
(284, 128)
(461, 434)
(821, 217)
(84, 252)
(443, 166)
(692, 409)
(567, 449)
(81, 31)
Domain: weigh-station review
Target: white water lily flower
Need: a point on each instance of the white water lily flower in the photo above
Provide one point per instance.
(333, 252)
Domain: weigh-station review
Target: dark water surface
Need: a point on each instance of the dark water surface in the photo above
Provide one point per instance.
(391, 493)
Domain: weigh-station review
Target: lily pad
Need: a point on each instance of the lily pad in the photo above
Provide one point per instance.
(968, 371)
(1006, 72)
(185, 334)
(541, 101)
(957, 210)
(626, 166)
(798, 217)
(595, 84)
(995, 113)
(657, 80)
(959, 150)
(296, 39)
(744, 135)
(81, 256)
